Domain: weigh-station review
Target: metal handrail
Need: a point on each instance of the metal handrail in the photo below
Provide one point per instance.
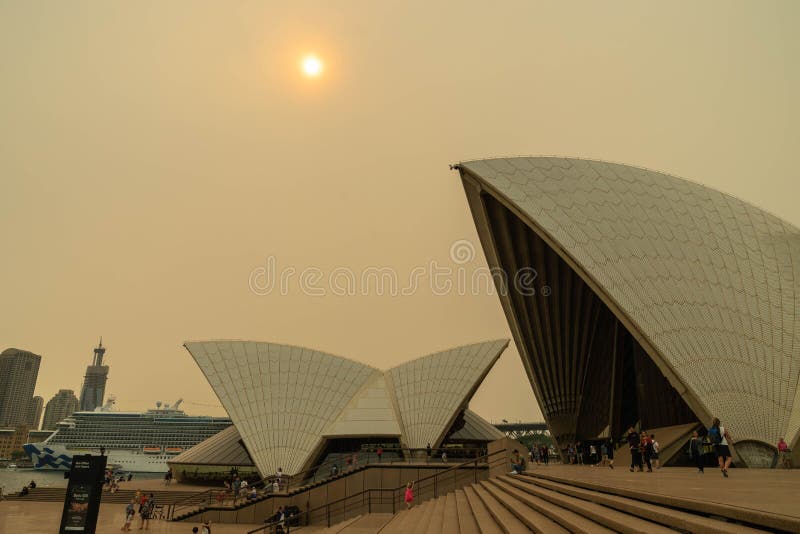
(396, 493)
(287, 482)
(198, 499)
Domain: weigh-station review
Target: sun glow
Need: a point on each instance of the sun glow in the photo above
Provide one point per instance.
(311, 66)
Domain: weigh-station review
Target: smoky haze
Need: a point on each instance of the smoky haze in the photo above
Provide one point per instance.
(154, 155)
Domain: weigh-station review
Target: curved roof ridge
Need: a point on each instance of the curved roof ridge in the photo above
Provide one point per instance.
(452, 348)
(279, 344)
(631, 166)
(290, 345)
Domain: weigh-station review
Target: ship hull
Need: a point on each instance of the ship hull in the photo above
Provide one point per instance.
(49, 456)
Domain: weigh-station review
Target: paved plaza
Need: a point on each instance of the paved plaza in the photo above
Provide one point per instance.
(773, 491)
(45, 517)
(755, 490)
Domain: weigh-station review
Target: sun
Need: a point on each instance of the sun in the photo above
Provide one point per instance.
(311, 66)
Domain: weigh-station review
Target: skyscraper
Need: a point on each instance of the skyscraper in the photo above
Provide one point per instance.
(94, 383)
(35, 417)
(63, 404)
(18, 372)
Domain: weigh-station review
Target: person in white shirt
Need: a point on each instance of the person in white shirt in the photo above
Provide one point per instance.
(654, 454)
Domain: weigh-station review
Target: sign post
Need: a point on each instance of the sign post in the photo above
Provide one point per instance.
(82, 502)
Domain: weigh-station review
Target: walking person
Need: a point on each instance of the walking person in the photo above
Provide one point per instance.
(379, 452)
(409, 497)
(428, 450)
(610, 450)
(721, 438)
(144, 515)
(634, 442)
(696, 451)
(654, 454)
(647, 451)
(603, 454)
(236, 486)
(206, 528)
(593, 455)
(130, 513)
(444, 457)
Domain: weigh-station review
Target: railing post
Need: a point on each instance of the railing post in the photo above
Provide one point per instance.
(394, 503)
(435, 486)
(475, 472)
(328, 513)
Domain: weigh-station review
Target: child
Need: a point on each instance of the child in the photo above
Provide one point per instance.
(130, 513)
(409, 495)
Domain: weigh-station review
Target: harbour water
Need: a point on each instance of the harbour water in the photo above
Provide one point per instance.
(13, 480)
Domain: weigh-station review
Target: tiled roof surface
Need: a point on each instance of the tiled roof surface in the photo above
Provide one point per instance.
(712, 282)
(284, 399)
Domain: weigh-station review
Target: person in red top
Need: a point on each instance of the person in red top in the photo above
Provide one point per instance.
(409, 495)
(647, 451)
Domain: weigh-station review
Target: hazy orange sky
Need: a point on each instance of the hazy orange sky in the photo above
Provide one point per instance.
(153, 154)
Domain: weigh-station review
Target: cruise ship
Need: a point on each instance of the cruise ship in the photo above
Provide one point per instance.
(133, 441)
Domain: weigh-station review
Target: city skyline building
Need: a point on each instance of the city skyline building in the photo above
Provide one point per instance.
(62, 405)
(37, 405)
(94, 382)
(12, 440)
(19, 370)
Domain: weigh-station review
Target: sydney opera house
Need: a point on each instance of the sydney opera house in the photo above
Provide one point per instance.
(657, 302)
(294, 407)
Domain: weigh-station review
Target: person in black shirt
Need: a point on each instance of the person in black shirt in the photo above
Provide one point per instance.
(634, 442)
(696, 451)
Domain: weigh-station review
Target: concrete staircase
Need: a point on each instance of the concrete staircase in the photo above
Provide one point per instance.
(196, 507)
(526, 503)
